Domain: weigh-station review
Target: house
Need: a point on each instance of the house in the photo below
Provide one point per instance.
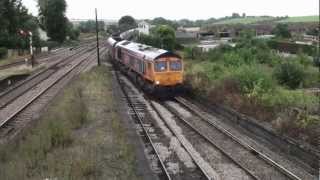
(187, 34)
(144, 27)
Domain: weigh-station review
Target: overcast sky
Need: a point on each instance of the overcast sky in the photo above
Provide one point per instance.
(179, 9)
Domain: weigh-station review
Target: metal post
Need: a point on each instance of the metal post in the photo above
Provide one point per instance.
(97, 31)
(31, 49)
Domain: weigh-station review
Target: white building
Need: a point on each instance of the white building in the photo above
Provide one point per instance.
(144, 27)
(43, 34)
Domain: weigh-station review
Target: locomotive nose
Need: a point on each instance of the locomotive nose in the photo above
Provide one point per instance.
(169, 79)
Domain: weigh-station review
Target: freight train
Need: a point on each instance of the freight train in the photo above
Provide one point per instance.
(153, 69)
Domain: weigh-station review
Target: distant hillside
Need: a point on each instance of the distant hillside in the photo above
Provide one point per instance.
(261, 19)
(245, 20)
(300, 19)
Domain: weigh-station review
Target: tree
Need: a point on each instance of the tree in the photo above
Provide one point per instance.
(281, 31)
(53, 19)
(72, 32)
(235, 15)
(163, 21)
(127, 22)
(14, 17)
(167, 37)
(162, 36)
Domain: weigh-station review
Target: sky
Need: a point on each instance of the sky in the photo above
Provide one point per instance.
(181, 9)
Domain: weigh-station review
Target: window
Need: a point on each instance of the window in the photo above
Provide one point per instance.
(160, 66)
(175, 65)
(141, 67)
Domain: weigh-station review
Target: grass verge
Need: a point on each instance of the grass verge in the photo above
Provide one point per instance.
(78, 137)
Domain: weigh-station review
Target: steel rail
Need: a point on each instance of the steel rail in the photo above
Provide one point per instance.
(5, 103)
(207, 139)
(264, 157)
(42, 92)
(137, 114)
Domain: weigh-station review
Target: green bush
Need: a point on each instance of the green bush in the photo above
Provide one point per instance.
(285, 98)
(233, 59)
(254, 80)
(3, 52)
(290, 74)
(192, 52)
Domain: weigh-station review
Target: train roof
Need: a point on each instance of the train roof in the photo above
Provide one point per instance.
(148, 52)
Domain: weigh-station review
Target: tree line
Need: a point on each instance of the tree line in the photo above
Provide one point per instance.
(13, 18)
(16, 22)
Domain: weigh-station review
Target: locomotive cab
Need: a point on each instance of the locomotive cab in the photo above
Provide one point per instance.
(168, 71)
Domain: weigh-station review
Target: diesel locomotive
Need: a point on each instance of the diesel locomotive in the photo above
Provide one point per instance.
(151, 68)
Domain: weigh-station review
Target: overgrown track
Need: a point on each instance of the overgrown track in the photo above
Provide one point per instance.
(241, 153)
(26, 106)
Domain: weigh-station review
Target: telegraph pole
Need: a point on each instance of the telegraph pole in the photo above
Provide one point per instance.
(97, 32)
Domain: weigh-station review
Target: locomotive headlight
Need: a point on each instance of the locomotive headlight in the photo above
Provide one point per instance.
(157, 82)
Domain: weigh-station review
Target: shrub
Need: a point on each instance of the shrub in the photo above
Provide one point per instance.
(312, 77)
(3, 52)
(192, 52)
(254, 80)
(294, 98)
(303, 60)
(233, 59)
(290, 74)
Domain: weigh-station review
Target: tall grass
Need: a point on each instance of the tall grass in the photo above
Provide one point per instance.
(80, 136)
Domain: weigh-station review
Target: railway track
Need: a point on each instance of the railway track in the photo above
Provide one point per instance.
(43, 58)
(232, 148)
(257, 164)
(137, 114)
(28, 104)
(139, 109)
(15, 91)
